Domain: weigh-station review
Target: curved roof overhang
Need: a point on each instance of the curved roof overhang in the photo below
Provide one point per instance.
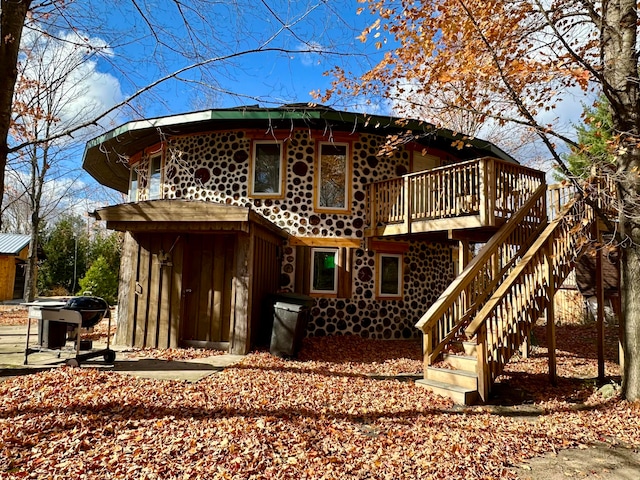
(106, 157)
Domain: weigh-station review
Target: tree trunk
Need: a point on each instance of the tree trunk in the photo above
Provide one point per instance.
(631, 316)
(620, 86)
(12, 17)
(31, 277)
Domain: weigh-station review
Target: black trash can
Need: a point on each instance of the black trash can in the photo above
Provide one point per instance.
(290, 318)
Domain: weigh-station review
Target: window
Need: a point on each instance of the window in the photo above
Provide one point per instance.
(324, 271)
(389, 275)
(155, 176)
(266, 172)
(133, 184)
(332, 175)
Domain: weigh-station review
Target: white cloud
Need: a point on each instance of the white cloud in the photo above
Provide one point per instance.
(67, 80)
(312, 50)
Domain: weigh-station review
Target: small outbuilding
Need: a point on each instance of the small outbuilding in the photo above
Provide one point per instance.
(14, 249)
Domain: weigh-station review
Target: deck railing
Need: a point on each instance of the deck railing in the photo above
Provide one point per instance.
(488, 188)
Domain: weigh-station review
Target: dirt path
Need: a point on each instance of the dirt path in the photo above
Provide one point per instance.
(602, 461)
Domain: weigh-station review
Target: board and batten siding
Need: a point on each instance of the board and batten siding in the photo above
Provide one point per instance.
(201, 290)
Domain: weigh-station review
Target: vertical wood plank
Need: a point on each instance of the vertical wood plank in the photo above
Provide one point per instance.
(142, 292)
(229, 257)
(551, 319)
(126, 291)
(240, 333)
(205, 287)
(217, 289)
(153, 313)
(176, 307)
(483, 364)
(166, 274)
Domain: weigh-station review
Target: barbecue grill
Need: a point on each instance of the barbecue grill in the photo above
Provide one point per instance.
(60, 322)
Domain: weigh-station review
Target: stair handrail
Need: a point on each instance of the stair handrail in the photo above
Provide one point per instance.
(500, 293)
(477, 266)
(545, 262)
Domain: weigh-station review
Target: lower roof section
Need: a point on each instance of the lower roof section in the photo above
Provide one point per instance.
(182, 216)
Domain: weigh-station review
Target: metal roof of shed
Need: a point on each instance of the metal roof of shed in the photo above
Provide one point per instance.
(13, 243)
(106, 156)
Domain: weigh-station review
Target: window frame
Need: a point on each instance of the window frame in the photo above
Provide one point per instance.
(400, 280)
(315, 291)
(252, 170)
(347, 179)
(136, 192)
(152, 156)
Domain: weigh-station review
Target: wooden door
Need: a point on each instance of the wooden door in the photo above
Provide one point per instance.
(206, 290)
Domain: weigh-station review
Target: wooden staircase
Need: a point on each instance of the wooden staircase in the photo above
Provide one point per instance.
(486, 314)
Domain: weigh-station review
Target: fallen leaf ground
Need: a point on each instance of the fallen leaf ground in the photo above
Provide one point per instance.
(323, 416)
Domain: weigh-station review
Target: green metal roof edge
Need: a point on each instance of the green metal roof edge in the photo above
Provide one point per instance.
(295, 113)
(203, 116)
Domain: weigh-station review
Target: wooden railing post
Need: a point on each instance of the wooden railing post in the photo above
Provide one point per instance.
(408, 196)
(600, 300)
(483, 364)
(373, 207)
(551, 317)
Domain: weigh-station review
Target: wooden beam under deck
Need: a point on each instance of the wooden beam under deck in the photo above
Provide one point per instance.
(425, 226)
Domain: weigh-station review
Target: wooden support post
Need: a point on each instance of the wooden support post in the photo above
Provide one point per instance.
(600, 300)
(551, 320)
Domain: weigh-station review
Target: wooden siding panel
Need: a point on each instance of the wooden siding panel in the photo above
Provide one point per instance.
(266, 281)
(240, 328)
(126, 291)
(153, 312)
(166, 270)
(203, 310)
(142, 292)
(7, 277)
(176, 292)
(218, 286)
(229, 268)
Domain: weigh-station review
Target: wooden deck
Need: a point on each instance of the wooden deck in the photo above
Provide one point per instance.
(478, 193)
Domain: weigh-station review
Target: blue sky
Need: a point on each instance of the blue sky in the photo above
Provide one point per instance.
(269, 78)
(140, 42)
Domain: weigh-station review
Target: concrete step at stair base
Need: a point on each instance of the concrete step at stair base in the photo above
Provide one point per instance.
(459, 395)
(459, 378)
(461, 362)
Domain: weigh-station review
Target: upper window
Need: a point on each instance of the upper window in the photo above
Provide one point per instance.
(266, 171)
(133, 184)
(332, 175)
(389, 275)
(324, 271)
(155, 176)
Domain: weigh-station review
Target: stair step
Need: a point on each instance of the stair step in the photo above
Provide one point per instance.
(459, 395)
(461, 362)
(459, 378)
(467, 346)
